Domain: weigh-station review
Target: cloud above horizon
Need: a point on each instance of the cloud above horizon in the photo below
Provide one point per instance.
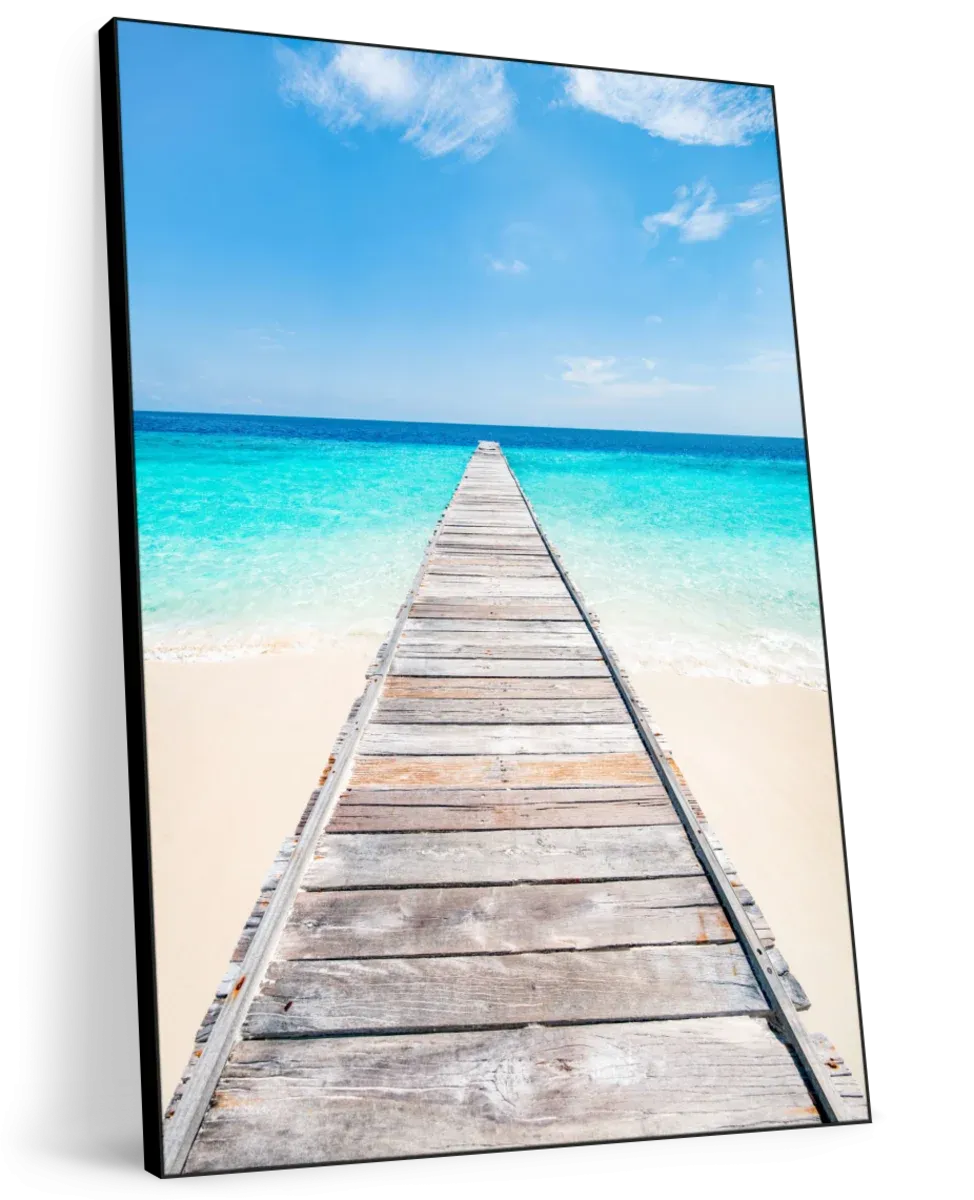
(514, 267)
(698, 216)
(443, 105)
(607, 379)
(681, 110)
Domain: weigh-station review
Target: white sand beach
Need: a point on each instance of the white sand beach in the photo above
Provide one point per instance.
(236, 747)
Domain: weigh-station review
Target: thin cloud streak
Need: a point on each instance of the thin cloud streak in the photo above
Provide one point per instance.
(444, 106)
(679, 110)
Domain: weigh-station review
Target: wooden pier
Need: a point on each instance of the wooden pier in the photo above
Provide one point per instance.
(503, 921)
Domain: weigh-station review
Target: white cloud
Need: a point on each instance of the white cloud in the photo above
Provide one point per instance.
(603, 379)
(766, 362)
(652, 319)
(680, 110)
(515, 267)
(589, 370)
(443, 104)
(698, 216)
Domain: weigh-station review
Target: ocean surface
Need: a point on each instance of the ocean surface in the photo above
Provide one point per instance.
(261, 534)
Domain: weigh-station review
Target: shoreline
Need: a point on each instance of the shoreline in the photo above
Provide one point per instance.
(236, 746)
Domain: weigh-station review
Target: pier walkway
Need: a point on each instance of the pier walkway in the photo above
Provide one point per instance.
(503, 920)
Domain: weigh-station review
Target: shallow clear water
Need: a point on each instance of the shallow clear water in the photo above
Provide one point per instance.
(258, 534)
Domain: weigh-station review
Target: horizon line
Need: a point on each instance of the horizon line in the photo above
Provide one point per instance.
(173, 412)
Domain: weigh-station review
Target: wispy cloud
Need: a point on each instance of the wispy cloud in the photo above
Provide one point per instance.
(680, 110)
(653, 319)
(513, 267)
(443, 105)
(607, 379)
(766, 361)
(698, 216)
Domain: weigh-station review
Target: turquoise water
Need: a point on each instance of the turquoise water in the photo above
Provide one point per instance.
(262, 534)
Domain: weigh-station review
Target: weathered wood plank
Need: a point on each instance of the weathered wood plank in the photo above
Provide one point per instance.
(537, 569)
(393, 711)
(499, 739)
(537, 770)
(564, 629)
(568, 637)
(350, 860)
(374, 818)
(466, 688)
(576, 916)
(304, 998)
(457, 646)
(477, 797)
(478, 587)
(498, 609)
(509, 668)
(340, 1099)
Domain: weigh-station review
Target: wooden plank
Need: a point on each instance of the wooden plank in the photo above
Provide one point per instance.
(349, 860)
(509, 668)
(480, 587)
(498, 609)
(498, 636)
(510, 770)
(498, 739)
(393, 711)
(304, 998)
(538, 569)
(466, 688)
(500, 796)
(291, 1102)
(375, 818)
(458, 646)
(577, 916)
(563, 629)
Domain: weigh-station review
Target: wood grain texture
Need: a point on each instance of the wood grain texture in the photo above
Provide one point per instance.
(381, 818)
(499, 739)
(349, 860)
(302, 998)
(341, 1099)
(459, 645)
(498, 609)
(509, 668)
(467, 688)
(505, 770)
(471, 920)
(396, 711)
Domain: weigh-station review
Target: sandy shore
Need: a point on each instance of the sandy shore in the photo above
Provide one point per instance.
(236, 747)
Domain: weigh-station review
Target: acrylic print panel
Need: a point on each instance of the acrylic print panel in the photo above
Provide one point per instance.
(421, 360)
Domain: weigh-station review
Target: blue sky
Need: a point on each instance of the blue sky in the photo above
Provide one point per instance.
(340, 231)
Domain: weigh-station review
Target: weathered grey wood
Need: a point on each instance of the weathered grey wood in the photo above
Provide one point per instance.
(540, 568)
(498, 635)
(499, 739)
(499, 609)
(393, 711)
(349, 860)
(457, 646)
(306, 998)
(546, 668)
(501, 795)
(375, 818)
(470, 920)
(466, 688)
(479, 587)
(566, 629)
(340, 1099)
(510, 770)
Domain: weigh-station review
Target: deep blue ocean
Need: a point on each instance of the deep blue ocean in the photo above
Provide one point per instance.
(265, 533)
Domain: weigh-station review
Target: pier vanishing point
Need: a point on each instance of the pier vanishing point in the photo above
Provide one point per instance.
(503, 921)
